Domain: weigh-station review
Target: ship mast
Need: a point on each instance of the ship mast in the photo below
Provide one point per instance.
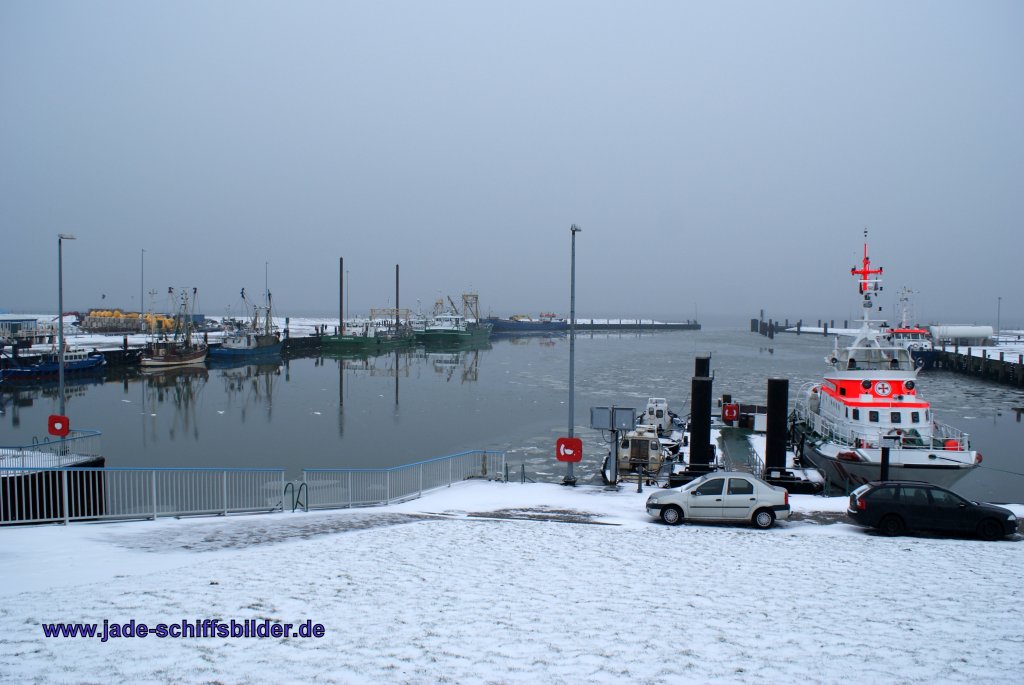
(867, 285)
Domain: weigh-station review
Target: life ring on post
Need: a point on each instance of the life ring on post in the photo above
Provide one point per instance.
(730, 412)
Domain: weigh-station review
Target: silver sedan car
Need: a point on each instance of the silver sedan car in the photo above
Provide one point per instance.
(722, 496)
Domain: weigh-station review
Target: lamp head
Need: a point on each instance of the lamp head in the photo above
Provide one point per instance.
(65, 236)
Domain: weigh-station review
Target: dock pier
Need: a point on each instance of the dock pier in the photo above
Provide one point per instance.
(1007, 369)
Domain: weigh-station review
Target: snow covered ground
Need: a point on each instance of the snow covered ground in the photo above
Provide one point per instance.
(510, 583)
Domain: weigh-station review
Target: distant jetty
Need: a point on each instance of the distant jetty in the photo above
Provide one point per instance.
(549, 324)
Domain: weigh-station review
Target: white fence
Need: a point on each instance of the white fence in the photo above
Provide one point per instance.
(40, 495)
(76, 448)
(335, 488)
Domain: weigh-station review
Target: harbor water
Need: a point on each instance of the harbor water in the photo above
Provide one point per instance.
(331, 411)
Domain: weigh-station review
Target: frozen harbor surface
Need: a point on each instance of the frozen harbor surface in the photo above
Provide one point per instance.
(509, 583)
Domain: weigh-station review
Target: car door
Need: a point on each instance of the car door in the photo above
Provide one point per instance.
(705, 500)
(916, 507)
(950, 512)
(739, 499)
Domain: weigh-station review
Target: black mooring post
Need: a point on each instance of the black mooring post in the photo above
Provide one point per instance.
(700, 423)
(702, 367)
(778, 409)
(884, 475)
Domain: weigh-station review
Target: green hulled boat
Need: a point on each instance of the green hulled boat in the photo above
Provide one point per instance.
(453, 329)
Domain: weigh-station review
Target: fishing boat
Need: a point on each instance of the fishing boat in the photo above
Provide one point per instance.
(386, 329)
(546, 322)
(180, 346)
(867, 401)
(447, 327)
(77, 361)
(253, 337)
(917, 339)
(451, 328)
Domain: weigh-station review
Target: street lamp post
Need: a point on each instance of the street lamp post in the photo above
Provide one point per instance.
(61, 237)
(999, 311)
(570, 479)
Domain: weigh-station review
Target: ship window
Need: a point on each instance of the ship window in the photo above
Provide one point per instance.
(660, 414)
(655, 445)
(915, 417)
(873, 416)
(842, 391)
(625, 444)
(856, 414)
(896, 417)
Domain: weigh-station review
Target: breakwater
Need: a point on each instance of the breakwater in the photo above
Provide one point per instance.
(985, 363)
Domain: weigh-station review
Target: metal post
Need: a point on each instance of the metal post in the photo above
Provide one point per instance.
(153, 486)
(341, 296)
(64, 494)
(570, 479)
(999, 311)
(224, 482)
(142, 288)
(61, 237)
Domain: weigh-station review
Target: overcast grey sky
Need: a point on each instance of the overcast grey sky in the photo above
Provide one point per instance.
(721, 157)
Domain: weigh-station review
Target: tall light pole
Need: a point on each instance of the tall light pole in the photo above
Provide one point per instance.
(61, 237)
(142, 289)
(999, 311)
(570, 479)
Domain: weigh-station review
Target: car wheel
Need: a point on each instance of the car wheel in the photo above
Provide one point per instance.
(672, 515)
(763, 519)
(891, 525)
(989, 529)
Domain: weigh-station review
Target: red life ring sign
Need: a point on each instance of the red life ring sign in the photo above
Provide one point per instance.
(569, 449)
(730, 412)
(58, 425)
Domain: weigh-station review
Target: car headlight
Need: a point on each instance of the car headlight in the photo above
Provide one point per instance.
(1011, 517)
(652, 500)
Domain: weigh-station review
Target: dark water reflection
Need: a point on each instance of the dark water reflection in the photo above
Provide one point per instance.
(403, 406)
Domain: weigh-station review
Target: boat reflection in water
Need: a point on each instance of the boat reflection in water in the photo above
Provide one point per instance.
(248, 385)
(21, 394)
(462, 360)
(181, 387)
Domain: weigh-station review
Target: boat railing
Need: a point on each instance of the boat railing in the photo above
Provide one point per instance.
(943, 436)
(43, 495)
(75, 448)
(340, 488)
(949, 438)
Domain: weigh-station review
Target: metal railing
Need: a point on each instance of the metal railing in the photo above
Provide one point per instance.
(76, 448)
(943, 436)
(337, 488)
(40, 495)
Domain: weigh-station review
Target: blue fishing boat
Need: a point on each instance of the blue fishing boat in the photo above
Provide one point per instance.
(255, 337)
(76, 361)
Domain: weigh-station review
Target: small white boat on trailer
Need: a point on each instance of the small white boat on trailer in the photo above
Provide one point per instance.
(657, 448)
